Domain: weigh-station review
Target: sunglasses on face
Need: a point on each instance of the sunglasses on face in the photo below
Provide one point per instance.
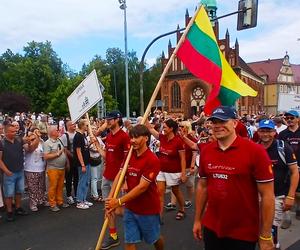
(289, 117)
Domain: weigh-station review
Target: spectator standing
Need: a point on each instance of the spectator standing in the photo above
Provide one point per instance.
(96, 166)
(54, 154)
(35, 171)
(12, 165)
(71, 176)
(82, 161)
(43, 127)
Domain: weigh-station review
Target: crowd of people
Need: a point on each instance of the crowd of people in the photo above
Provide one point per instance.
(215, 153)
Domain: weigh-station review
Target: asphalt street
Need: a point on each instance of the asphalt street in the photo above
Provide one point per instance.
(75, 229)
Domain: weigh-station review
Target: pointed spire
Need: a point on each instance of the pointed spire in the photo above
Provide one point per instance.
(163, 55)
(196, 8)
(227, 33)
(178, 27)
(187, 13)
(170, 44)
(236, 43)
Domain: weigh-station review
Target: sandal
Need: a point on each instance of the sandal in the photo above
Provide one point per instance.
(180, 215)
(97, 199)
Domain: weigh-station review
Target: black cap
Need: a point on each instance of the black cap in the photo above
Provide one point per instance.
(113, 115)
(223, 113)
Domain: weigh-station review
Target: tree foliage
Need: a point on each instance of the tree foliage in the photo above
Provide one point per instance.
(40, 78)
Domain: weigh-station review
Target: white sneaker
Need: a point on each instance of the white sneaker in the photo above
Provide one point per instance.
(88, 203)
(81, 205)
(70, 200)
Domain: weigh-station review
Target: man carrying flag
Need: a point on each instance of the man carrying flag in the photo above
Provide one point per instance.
(142, 203)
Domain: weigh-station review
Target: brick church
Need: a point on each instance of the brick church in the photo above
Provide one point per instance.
(184, 94)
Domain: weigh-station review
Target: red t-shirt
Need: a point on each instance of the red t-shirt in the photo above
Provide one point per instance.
(116, 146)
(144, 166)
(169, 154)
(189, 152)
(232, 196)
(241, 130)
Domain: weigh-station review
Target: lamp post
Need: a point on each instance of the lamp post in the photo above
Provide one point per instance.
(123, 6)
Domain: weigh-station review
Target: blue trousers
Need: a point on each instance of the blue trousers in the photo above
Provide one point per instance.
(83, 183)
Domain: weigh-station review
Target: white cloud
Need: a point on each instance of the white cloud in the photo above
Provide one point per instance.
(61, 21)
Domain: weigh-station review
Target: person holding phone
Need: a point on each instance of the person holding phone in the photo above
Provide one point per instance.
(54, 155)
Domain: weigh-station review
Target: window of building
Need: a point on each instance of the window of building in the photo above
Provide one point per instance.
(176, 95)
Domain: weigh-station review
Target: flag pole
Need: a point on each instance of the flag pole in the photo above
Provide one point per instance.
(146, 114)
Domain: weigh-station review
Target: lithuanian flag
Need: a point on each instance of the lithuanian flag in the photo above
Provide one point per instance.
(201, 55)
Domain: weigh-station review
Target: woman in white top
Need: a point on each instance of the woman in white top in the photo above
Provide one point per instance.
(96, 167)
(34, 169)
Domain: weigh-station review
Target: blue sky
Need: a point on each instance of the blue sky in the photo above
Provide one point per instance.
(80, 29)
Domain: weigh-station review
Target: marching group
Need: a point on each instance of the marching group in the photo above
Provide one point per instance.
(246, 169)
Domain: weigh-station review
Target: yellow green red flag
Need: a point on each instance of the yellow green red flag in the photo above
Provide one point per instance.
(201, 55)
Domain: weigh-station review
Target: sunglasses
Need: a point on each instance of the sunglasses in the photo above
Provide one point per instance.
(289, 117)
(180, 126)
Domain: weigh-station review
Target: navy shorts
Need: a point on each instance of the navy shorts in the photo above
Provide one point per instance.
(141, 227)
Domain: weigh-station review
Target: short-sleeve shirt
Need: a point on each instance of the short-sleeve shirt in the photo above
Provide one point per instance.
(81, 141)
(293, 139)
(53, 146)
(116, 147)
(232, 195)
(169, 153)
(189, 151)
(12, 154)
(280, 169)
(64, 140)
(145, 166)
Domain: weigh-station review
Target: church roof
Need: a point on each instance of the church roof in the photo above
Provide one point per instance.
(246, 68)
(267, 68)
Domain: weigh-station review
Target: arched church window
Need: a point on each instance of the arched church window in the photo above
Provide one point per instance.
(176, 96)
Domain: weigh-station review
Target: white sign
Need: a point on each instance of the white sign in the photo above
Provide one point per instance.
(288, 101)
(84, 97)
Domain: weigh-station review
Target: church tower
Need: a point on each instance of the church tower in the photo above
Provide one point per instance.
(211, 9)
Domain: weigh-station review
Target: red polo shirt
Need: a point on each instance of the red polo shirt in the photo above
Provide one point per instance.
(144, 166)
(232, 176)
(116, 146)
(189, 152)
(169, 154)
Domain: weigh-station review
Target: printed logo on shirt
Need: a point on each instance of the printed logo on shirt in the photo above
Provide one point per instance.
(220, 176)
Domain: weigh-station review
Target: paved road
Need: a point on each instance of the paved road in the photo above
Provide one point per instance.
(74, 229)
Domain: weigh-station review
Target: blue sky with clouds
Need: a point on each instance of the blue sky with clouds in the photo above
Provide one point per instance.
(80, 29)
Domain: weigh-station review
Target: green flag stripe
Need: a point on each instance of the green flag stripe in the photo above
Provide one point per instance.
(228, 97)
(204, 44)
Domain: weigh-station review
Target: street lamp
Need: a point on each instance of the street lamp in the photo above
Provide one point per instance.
(123, 6)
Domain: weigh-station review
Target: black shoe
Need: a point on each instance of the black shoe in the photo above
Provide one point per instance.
(10, 217)
(170, 206)
(20, 211)
(109, 242)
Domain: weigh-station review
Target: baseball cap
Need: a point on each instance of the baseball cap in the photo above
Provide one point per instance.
(113, 115)
(266, 124)
(223, 113)
(292, 113)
